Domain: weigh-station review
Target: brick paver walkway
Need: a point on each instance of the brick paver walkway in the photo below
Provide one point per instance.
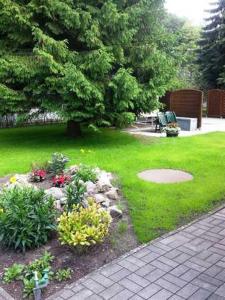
(187, 264)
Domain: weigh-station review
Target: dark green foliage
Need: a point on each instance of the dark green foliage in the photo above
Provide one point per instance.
(63, 274)
(90, 61)
(212, 48)
(25, 273)
(75, 193)
(58, 163)
(13, 273)
(27, 218)
(85, 173)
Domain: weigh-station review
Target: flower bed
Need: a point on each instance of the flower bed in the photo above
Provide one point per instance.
(84, 200)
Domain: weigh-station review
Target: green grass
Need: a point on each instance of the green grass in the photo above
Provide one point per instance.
(154, 208)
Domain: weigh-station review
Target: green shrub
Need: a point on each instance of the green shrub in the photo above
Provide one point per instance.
(86, 173)
(58, 163)
(25, 273)
(27, 217)
(75, 193)
(63, 274)
(84, 227)
(13, 273)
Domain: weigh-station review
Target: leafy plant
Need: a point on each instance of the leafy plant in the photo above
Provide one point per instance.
(75, 193)
(25, 273)
(83, 227)
(39, 265)
(13, 273)
(58, 163)
(86, 173)
(60, 180)
(28, 286)
(63, 274)
(27, 218)
(38, 175)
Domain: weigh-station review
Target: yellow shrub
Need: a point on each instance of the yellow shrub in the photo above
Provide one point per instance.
(83, 227)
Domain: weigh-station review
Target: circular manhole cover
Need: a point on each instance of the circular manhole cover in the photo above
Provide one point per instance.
(165, 176)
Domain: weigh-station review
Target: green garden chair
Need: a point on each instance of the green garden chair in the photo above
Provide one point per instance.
(171, 117)
(161, 121)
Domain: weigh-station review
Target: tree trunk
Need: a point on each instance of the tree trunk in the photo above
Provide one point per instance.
(73, 129)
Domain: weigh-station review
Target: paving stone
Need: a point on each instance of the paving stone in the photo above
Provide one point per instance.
(216, 297)
(180, 270)
(167, 285)
(150, 257)
(130, 285)
(105, 281)
(120, 275)
(149, 291)
(110, 269)
(94, 297)
(154, 275)
(162, 266)
(187, 291)
(173, 254)
(144, 251)
(205, 285)
(173, 279)
(200, 295)
(83, 294)
(168, 262)
(209, 279)
(176, 297)
(136, 297)
(161, 295)
(93, 286)
(190, 275)
(213, 271)
(134, 260)
(124, 295)
(182, 258)
(128, 265)
(66, 294)
(111, 291)
(138, 279)
(145, 270)
(221, 291)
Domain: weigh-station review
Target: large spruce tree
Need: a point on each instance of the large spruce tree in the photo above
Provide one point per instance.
(212, 48)
(94, 62)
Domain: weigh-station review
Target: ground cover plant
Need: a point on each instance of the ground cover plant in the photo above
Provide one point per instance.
(154, 209)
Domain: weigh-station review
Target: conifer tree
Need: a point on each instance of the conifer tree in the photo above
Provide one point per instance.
(212, 47)
(95, 62)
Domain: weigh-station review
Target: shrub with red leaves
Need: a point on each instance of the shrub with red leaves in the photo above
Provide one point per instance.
(60, 180)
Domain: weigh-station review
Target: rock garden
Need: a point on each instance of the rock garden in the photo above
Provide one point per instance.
(58, 223)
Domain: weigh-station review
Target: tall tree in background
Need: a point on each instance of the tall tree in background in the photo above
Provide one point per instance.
(93, 61)
(184, 44)
(212, 48)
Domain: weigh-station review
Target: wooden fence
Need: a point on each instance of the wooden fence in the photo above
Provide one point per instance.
(185, 103)
(216, 103)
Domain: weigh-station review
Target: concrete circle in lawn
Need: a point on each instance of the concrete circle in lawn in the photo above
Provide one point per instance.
(165, 176)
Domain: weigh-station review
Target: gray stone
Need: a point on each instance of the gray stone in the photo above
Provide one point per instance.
(115, 212)
(112, 194)
(56, 193)
(91, 188)
(99, 198)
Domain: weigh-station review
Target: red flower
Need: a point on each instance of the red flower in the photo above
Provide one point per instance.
(61, 180)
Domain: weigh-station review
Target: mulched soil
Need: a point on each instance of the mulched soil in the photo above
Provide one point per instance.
(116, 244)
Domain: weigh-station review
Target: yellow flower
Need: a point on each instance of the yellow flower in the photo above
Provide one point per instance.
(12, 179)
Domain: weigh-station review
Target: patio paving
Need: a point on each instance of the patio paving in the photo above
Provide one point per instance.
(186, 264)
(208, 125)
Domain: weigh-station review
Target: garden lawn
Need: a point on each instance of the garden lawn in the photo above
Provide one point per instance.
(154, 208)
